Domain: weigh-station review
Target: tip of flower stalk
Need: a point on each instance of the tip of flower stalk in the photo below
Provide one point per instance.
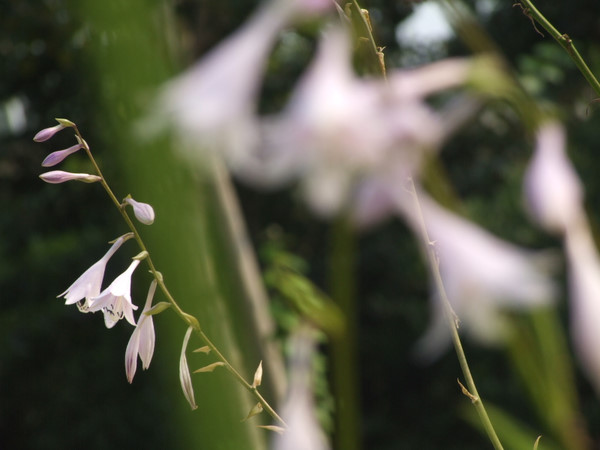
(65, 122)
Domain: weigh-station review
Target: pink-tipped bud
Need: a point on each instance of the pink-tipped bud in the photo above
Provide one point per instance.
(56, 157)
(47, 133)
(142, 211)
(59, 176)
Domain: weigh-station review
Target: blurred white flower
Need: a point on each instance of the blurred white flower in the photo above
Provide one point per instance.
(303, 431)
(213, 103)
(584, 290)
(553, 191)
(88, 285)
(142, 339)
(339, 130)
(115, 301)
(482, 274)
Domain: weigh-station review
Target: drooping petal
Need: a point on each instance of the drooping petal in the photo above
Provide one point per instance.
(553, 191)
(56, 157)
(60, 176)
(147, 335)
(142, 211)
(584, 290)
(184, 372)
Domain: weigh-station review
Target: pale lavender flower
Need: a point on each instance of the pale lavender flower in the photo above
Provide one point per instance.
(184, 372)
(553, 191)
(56, 157)
(303, 431)
(142, 339)
(60, 176)
(88, 285)
(482, 274)
(115, 301)
(142, 211)
(47, 133)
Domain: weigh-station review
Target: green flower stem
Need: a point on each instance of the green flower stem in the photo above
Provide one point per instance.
(434, 262)
(187, 318)
(564, 40)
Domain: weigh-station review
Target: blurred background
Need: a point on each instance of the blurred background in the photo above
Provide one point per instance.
(62, 378)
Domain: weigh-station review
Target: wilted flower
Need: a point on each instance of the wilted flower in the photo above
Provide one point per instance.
(552, 189)
(56, 157)
(142, 211)
(88, 285)
(142, 339)
(303, 430)
(184, 372)
(59, 176)
(115, 301)
(482, 274)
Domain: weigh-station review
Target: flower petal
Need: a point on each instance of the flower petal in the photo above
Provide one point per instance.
(184, 372)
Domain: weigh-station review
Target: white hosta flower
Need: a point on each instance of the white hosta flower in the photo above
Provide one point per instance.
(88, 285)
(303, 430)
(115, 301)
(142, 339)
(481, 273)
(552, 188)
(142, 211)
(212, 104)
(338, 130)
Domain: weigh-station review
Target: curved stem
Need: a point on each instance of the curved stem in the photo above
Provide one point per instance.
(433, 261)
(564, 40)
(187, 318)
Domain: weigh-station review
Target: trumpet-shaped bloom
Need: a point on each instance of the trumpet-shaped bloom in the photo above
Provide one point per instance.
(60, 176)
(142, 339)
(56, 157)
(88, 285)
(115, 301)
(481, 273)
(552, 189)
(142, 211)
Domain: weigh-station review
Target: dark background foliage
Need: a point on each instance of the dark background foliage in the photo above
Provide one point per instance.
(62, 383)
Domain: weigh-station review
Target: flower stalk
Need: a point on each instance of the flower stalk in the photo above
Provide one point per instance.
(190, 320)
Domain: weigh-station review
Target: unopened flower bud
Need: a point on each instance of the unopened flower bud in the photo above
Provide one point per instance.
(47, 133)
(56, 157)
(60, 176)
(142, 211)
